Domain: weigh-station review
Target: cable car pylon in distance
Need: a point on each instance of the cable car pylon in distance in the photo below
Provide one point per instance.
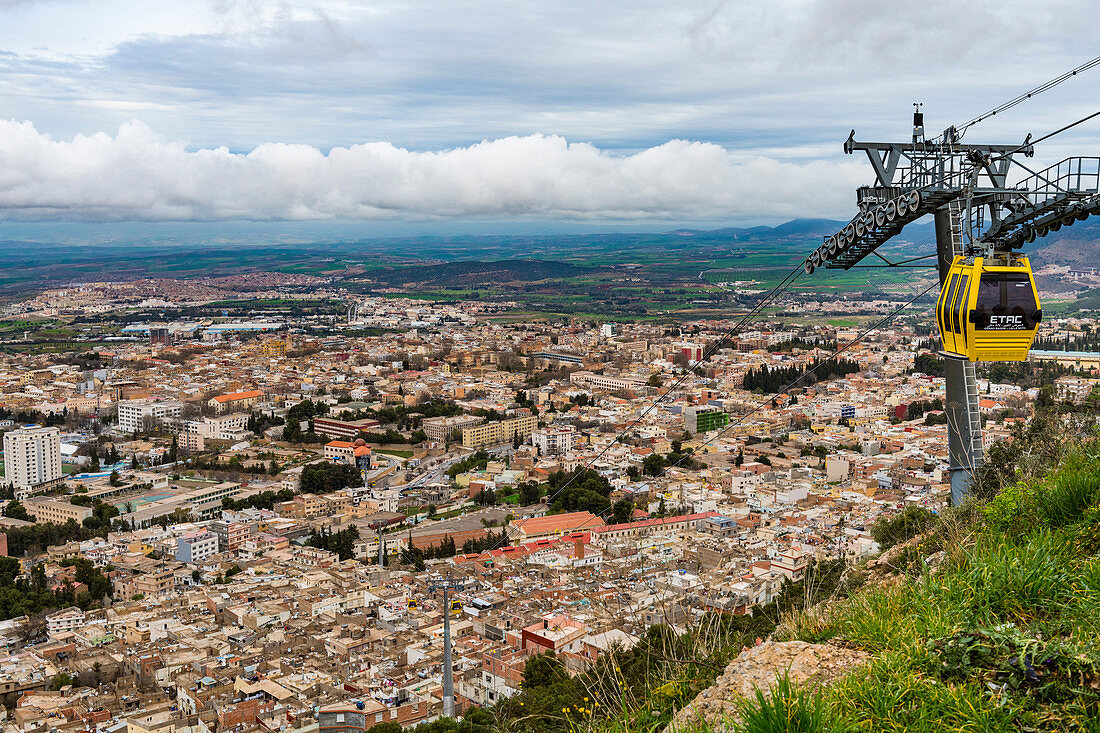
(984, 210)
(988, 309)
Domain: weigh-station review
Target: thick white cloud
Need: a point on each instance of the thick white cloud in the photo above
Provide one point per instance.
(138, 175)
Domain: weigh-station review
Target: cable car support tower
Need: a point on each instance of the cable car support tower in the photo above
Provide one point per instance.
(984, 200)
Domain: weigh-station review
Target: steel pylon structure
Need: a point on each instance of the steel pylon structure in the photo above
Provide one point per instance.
(984, 199)
(447, 585)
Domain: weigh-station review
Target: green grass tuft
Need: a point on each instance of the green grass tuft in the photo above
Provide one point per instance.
(788, 709)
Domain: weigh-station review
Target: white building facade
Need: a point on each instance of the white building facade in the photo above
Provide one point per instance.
(134, 416)
(32, 459)
(554, 440)
(194, 547)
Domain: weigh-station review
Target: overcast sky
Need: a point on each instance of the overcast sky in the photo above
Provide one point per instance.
(640, 111)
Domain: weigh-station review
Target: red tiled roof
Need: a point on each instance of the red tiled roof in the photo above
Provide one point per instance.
(238, 396)
(657, 522)
(558, 523)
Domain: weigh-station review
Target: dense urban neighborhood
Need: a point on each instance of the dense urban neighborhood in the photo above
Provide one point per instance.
(279, 522)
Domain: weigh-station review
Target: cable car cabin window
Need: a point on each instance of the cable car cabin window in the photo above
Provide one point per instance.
(959, 311)
(945, 306)
(940, 308)
(1006, 302)
(953, 288)
(1019, 297)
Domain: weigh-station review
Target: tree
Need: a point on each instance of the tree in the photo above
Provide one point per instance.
(654, 464)
(114, 479)
(61, 679)
(581, 490)
(740, 459)
(102, 514)
(10, 568)
(543, 670)
(530, 492)
(292, 433)
(133, 463)
(324, 478)
(88, 574)
(388, 726)
(14, 509)
(342, 542)
(446, 547)
(622, 511)
(413, 555)
(655, 380)
(487, 497)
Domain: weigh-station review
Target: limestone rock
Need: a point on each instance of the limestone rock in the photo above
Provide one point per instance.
(756, 668)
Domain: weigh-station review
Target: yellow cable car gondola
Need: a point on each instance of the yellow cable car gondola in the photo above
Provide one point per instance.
(988, 309)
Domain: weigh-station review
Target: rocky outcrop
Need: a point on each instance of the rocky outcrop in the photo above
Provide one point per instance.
(891, 567)
(756, 668)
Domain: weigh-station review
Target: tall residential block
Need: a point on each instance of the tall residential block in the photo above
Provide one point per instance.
(704, 419)
(32, 459)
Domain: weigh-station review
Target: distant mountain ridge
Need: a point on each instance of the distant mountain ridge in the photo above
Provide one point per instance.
(29, 263)
(792, 228)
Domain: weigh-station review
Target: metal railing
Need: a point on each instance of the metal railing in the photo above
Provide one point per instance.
(1077, 176)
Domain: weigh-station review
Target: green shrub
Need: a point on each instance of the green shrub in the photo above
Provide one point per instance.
(1069, 492)
(912, 521)
(1054, 501)
(1013, 508)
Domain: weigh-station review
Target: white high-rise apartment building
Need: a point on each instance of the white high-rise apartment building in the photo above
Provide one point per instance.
(554, 440)
(135, 416)
(32, 459)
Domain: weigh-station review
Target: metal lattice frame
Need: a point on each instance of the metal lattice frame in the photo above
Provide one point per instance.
(919, 178)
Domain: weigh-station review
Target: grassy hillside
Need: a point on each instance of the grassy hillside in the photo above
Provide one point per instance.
(1004, 637)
